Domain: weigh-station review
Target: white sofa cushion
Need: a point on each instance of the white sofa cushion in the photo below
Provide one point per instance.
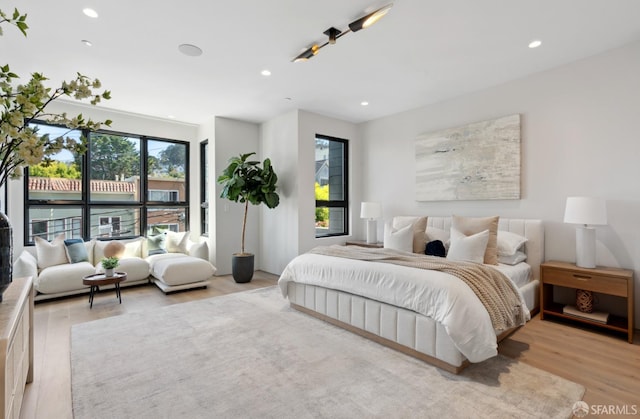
(178, 269)
(51, 254)
(135, 268)
(63, 278)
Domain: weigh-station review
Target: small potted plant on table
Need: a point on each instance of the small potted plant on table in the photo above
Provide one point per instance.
(109, 264)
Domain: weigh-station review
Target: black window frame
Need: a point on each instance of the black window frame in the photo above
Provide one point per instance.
(204, 201)
(335, 203)
(86, 205)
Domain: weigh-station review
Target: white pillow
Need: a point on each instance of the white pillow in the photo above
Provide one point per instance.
(434, 233)
(398, 239)
(51, 254)
(468, 248)
(177, 242)
(419, 230)
(514, 259)
(509, 243)
(200, 250)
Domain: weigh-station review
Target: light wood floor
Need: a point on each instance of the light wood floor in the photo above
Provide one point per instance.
(606, 365)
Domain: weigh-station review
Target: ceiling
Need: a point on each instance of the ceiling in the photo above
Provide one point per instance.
(422, 52)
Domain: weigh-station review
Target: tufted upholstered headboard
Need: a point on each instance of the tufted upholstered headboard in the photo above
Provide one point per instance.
(532, 229)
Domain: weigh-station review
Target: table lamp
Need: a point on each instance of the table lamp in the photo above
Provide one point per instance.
(585, 211)
(371, 211)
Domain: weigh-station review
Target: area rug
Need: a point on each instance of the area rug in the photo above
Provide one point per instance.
(248, 355)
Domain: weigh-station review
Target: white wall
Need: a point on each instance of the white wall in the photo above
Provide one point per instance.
(289, 140)
(579, 137)
(231, 138)
(122, 122)
(279, 238)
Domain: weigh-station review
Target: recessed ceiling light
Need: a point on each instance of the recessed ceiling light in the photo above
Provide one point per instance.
(535, 43)
(171, 117)
(190, 50)
(364, 103)
(86, 42)
(265, 73)
(90, 12)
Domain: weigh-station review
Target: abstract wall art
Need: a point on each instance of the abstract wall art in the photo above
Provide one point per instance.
(478, 161)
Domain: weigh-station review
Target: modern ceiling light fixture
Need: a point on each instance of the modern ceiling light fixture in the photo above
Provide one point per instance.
(334, 34)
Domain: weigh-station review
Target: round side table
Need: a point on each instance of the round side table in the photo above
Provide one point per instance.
(95, 280)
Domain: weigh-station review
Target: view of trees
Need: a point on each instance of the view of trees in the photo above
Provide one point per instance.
(55, 169)
(171, 162)
(322, 214)
(116, 157)
(113, 157)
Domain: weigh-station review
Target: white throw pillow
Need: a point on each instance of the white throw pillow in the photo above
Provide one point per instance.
(509, 243)
(514, 259)
(468, 248)
(51, 254)
(419, 230)
(177, 242)
(398, 239)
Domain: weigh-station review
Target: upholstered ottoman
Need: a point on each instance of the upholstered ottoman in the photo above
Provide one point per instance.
(177, 271)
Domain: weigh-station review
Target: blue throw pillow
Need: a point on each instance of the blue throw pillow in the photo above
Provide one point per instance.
(76, 250)
(157, 244)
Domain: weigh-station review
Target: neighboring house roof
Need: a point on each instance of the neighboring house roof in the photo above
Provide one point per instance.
(75, 185)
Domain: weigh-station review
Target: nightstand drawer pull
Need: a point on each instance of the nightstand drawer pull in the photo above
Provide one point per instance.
(581, 277)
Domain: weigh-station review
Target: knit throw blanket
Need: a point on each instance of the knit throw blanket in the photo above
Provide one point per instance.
(496, 292)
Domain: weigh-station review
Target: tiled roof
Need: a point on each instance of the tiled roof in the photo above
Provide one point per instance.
(75, 185)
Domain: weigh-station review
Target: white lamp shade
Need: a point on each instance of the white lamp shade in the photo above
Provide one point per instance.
(371, 210)
(586, 211)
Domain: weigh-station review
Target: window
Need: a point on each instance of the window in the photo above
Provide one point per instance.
(331, 182)
(119, 187)
(155, 195)
(204, 188)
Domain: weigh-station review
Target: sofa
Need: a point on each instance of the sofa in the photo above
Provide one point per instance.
(170, 260)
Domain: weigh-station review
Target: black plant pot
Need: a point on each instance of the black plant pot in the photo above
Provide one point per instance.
(6, 253)
(242, 267)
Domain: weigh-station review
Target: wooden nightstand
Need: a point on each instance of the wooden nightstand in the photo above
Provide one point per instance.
(602, 280)
(363, 243)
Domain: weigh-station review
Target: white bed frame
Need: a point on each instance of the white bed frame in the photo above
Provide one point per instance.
(404, 330)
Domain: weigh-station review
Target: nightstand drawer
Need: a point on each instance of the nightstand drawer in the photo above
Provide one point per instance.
(586, 281)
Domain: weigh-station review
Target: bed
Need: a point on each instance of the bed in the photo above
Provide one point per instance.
(415, 328)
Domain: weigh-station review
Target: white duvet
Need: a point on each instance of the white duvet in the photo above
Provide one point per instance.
(435, 294)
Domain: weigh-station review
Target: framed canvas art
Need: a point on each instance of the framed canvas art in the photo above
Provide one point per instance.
(478, 161)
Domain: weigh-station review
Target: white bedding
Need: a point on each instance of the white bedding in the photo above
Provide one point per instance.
(435, 294)
(519, 274)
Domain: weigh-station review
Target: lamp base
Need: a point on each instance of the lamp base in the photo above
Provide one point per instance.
(586, 247)
(372, 229)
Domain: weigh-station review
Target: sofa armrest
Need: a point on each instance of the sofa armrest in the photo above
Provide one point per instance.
(199, 250)
(25, 265)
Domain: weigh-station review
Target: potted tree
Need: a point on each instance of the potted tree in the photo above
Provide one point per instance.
(246, 182)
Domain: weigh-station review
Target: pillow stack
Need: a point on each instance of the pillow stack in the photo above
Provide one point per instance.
(511, 248)
(60, 251)
(406, 233)
(474, 239)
